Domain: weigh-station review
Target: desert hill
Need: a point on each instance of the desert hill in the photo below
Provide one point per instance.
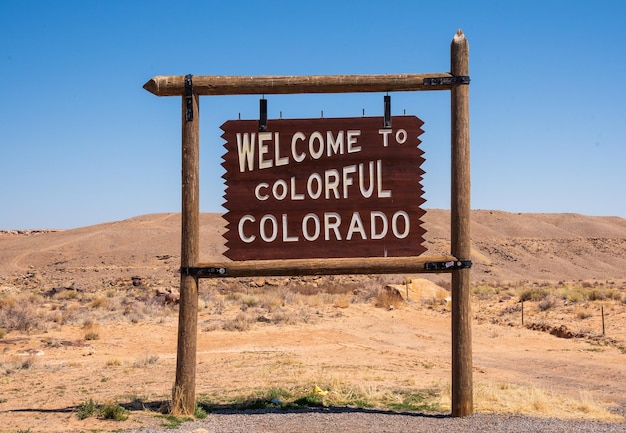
(506, 247)
(75, 328)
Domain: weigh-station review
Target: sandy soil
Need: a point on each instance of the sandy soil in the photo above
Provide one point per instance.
(47, 371)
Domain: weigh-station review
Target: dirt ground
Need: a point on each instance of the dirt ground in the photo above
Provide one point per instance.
(361, 346)
(97, 342)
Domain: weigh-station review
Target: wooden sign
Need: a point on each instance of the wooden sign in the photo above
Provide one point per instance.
(323, 188)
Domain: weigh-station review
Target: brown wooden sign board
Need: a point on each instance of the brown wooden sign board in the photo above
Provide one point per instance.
(323, 188)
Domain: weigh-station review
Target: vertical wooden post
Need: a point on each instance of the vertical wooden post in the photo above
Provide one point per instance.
(462, 389)
(183, 394)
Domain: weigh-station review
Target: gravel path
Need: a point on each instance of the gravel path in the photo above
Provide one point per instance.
(359, 420)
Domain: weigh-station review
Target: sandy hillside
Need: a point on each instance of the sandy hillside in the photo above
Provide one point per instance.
(85, 314)
(506, 247)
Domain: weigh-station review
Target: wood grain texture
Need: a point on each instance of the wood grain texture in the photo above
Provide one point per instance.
(344, 266)
(174, 85)
(183, 396)
(462, 385)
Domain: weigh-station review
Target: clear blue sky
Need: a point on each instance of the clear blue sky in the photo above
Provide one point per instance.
(82, 143)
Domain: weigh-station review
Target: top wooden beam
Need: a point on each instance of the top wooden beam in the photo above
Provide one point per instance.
(174, 85)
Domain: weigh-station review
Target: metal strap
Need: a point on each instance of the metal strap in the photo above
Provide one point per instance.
(438, 81)
(189, 97)
(202, 272)
(445, 266)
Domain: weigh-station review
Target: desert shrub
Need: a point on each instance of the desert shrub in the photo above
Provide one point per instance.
(583, 314)
(484, 292)
(596, 295)
(271, 302)
(86, 409)
(306, 289)
(613, 294)
(288, 317)
(515, 308)
(574, 295)
(145, 361)
(389, 299)
(91, 335)
(242, 322)
(20, 315)
(113, 411)
(249, 301)
(339, 289)
(533, 294)
(366, 292)
(547, 303)
(99, 302)
(342, 302)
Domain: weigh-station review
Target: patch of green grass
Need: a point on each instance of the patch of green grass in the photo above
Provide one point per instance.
(423, 401)
(114, 411)
(109, 411)
(87, 409)
(199, 412)
(173, 422)
(337, 396)
(310, 400)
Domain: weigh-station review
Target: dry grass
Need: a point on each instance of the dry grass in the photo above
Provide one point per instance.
(533, 401)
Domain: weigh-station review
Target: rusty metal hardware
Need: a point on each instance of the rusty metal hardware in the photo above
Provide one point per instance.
(451, 265)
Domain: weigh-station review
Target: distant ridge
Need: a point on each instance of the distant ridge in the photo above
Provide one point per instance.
(506, 247)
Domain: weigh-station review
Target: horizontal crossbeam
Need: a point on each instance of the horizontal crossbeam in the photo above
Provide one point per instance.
(174, 85)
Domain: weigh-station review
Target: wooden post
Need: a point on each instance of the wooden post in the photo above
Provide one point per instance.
(462, 395)
(603, 328)
(183, 394)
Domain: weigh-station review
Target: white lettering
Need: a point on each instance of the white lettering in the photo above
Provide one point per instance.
(334, 146)
(298, 157)
(401, 136)
(286, 237)
(385, 133)
(332, 183)
(379, 180)
(305, 227)
(279, 160)
(294, 195)
(242, 236)
(356, 225)
(394, 224)
(317, 193)
(316, 136)
(347, 180)
(352, 137)
(263, 149)
(257, 191)
(263, 227)
(367, 193)
(385, 225)
(282, 185)
(334, 225)
(245, 150)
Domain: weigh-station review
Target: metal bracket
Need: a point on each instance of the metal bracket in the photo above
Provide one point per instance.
(445, 266)
(262, 115)
(387, 107)
(202, 272)
(440, 81)
(189, 97)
